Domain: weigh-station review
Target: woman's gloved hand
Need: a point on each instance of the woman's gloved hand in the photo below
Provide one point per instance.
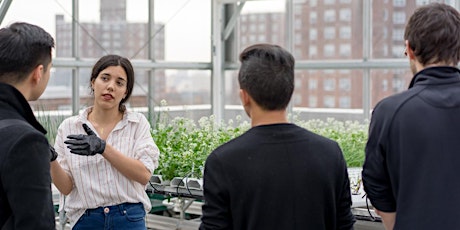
(85, 145)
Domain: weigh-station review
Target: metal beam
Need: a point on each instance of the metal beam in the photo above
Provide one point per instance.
(4, 6)
(76, 55)
(217, 77)
(144, 64)
(151, 79)
(232, 22)
(367, 38)
(343, 64)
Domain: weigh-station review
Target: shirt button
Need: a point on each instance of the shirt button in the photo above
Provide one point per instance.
(106, 210)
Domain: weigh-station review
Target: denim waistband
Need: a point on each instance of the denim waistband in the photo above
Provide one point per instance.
(114, 208)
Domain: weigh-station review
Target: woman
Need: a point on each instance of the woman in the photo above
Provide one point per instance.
(106, 155)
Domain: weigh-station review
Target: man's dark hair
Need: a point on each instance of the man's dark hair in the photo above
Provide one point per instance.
(116, 60)
(267, 74)
(23, 47)
(433, 32)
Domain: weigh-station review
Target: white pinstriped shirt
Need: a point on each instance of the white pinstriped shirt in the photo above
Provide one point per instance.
(96, 182)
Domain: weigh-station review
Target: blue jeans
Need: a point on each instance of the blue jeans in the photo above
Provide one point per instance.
(117, 217)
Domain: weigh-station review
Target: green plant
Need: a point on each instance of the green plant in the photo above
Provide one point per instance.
(185, 145)
(50, 123)
(350, 135)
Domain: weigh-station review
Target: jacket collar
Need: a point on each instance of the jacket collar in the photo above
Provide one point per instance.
(13, 98)
(435, 76)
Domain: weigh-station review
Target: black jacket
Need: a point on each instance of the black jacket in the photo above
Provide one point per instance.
(412, 164)
(278, 176)
(25, 181)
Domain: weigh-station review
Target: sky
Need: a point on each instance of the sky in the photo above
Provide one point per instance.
(187, 22)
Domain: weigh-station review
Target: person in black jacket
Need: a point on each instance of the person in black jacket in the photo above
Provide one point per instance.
(25, 180)
(412, 160)
(277, 175)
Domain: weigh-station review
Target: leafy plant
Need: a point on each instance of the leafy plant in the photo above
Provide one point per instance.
(350, 135)
(185, 145)
(50, 123)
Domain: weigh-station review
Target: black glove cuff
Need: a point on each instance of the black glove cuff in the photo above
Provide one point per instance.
(102, 148)
(54, 154)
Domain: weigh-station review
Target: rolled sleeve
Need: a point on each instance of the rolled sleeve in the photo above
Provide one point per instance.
(146, 149)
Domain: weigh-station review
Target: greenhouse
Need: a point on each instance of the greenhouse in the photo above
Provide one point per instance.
(349, 55)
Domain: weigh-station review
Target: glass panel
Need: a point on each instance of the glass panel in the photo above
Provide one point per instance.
(329, 30)
(233, 108)
(387, 82)
(57, 96)
(47, 14)
(389, 21)
(186, 28)
(263, 22)
(186, 93)
(321, 94)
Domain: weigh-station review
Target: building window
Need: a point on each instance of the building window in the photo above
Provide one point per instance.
(312, 84)
(262, 27)
(345, 50)
(297, 99)
(329, 84)
(398, 51)
(398, 35)
(297, 38)
(243, 28)
(384, 85)
(398, 84)
(399, 17)
(421, 2)
(313, 2)
(329, 50)
(399, 2)
(312, 51)
(329, 32)
(313, 34)
(313, 17)
(344, 102)
(385, 50)
(329, 101)
(298, 24)
(329, 2)
(345, 84)
(297, 83)
(275, 39)
(262, 38)
(345, 32)
(298, 10)
(345, 15)
(312, 101)
(329, 16)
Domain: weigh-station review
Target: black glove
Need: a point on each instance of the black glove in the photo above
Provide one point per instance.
(54, 154)
(86, 145)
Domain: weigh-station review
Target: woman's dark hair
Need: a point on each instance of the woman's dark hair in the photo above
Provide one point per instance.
(115, 60)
